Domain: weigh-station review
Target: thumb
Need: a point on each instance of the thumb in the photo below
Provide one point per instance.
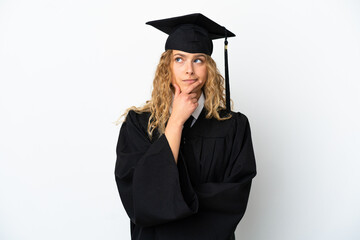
(177, 89)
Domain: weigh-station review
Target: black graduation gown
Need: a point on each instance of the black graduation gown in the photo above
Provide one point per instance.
(203, 197)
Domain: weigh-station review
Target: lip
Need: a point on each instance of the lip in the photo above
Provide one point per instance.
(190, 80)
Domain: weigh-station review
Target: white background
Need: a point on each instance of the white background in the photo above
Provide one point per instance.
(69, 69)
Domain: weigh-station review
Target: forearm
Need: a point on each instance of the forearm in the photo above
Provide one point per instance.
(173, 132)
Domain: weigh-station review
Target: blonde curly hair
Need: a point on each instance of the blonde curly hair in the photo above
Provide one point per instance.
(162, 94)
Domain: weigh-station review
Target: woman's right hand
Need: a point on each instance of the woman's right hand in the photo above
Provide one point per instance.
(185, 102)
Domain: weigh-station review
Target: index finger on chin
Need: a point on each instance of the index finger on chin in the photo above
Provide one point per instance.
(193, 86)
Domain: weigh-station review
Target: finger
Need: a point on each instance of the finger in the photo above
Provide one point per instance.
(192, 95)
(177, 89)
(194, 100)
(193, 86)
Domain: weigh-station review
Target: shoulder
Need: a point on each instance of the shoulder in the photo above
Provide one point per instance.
(137, 120)
(238, 118)
(133, 132)
(239, 122)
(214, 128)
(137, 117)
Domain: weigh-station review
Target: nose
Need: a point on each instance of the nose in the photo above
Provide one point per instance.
(189, 68)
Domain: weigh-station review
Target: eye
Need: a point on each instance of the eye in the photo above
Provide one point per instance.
(178, 59)
(198, 60)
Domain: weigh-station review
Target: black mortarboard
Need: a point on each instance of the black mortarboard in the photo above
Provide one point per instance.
(194, 33)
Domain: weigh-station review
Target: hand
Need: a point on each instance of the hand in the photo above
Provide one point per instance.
(185, 102)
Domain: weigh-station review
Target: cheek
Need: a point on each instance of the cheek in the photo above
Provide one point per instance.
(204, 82)
(203, 73)
(175, 76)
(204, 77)
(175, 73)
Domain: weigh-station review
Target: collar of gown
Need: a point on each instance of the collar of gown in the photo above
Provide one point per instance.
(199, 108)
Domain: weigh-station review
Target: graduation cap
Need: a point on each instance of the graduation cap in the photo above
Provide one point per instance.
(194, 33)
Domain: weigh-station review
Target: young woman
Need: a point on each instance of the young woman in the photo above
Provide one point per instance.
(184, 161)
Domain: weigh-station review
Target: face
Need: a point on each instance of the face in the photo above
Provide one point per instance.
(187, 68)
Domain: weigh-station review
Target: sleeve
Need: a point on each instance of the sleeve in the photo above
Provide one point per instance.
(221, 204)
(147, 177)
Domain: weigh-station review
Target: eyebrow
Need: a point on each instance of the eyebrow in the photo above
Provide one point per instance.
(182, 55)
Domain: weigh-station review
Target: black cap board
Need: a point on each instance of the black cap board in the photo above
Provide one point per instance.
(194, 33)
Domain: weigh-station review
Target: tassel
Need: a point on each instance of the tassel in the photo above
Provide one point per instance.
(227, 83)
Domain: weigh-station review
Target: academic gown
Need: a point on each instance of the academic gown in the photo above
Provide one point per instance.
(203, 196)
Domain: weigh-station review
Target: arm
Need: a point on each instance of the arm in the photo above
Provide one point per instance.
(184, 104)
(147, 177)
(173, 134)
